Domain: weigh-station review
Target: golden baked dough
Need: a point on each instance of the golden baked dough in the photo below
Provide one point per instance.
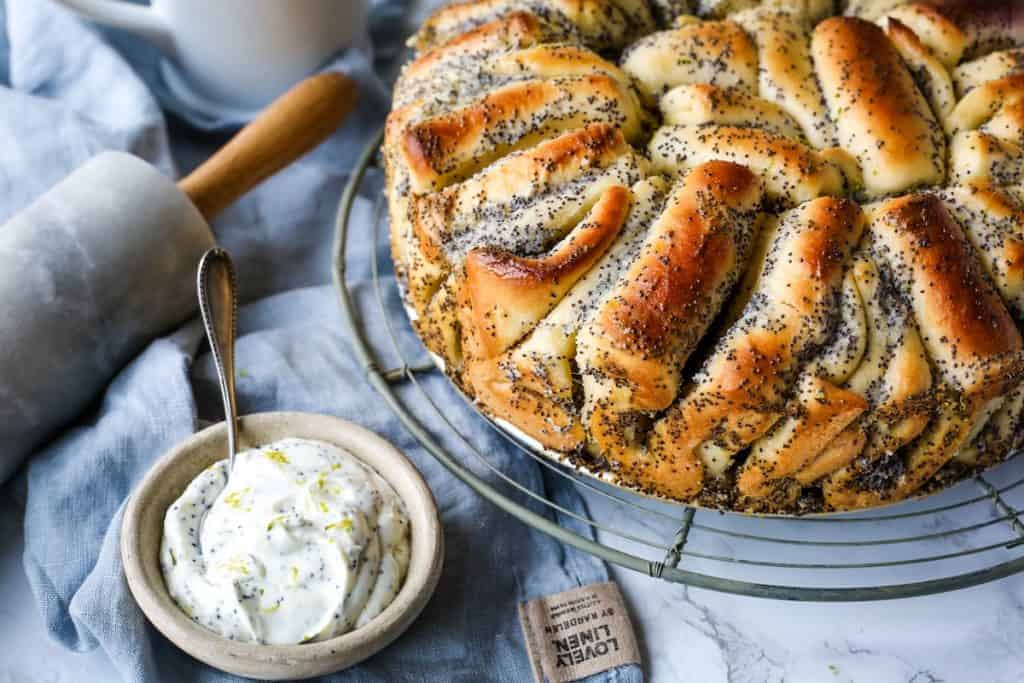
(741, 390)
(736, 253)
(930, 74)
(994, 222)
(966, 331)
(531, 384)
(881, 117)
(604, 24)
(786, 71)
(970, 75)
(792, 172)
(696, 105)
(631, 354)
(719, 53)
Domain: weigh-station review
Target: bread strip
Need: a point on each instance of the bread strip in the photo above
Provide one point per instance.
(786, 73)
(928, 71)
(970, 75)
(967, 332)
(893, 375)
(543, 362)
(821, 412)
(449, 147)
(966, 329)
(993, 221)
(631, 354)
(531, 385)
(509, 294)
(694, 105)
(714, 52)
(839, 453)
(944, 38)
(450, 69)
(599, 23)
(998, 99)
(963, 30)
(742, 389)
(482, 208)
(880, 116)
(977, 157)
(792, 172)
(522, 204)
(1001, 435)
(803, 440)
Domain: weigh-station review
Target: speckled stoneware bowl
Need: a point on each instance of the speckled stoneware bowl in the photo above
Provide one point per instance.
(142, 532)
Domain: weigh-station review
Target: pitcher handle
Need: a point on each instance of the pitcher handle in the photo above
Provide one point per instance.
(138, 19)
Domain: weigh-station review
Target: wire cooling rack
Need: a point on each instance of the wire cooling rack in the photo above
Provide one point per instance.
(969, 534)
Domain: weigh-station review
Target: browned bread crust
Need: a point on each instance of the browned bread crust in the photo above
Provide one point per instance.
(447, 66)
(509, 294)
(450, 147)
(972, 342)
(968, 332)
(630, 356)
(756, 258)
(742, 389)
(603, 24)
(881, 116)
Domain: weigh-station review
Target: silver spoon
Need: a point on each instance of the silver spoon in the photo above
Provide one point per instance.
(218, 305)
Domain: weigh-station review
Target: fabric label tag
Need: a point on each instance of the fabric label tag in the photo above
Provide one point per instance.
(578, 633)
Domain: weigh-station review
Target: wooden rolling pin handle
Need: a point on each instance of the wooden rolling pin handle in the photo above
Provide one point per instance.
(292, 125)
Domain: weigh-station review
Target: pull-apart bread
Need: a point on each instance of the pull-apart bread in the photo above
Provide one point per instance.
(761, 256)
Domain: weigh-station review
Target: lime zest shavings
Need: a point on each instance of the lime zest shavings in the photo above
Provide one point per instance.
(236, 564)
(277, 456)
(275, 520)
(234, 499)
(345, 525)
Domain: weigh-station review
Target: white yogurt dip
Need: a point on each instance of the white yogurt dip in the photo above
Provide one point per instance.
(305, 543)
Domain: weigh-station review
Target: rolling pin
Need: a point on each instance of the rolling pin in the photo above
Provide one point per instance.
(106, 261)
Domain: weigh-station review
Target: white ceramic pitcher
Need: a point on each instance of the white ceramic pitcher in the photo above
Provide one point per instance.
(242, 53)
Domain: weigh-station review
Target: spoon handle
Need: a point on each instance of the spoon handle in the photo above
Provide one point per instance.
(218, 305)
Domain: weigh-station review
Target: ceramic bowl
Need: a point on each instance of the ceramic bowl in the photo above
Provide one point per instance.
(142, 532)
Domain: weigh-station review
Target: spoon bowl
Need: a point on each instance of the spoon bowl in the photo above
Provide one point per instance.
(142, 534)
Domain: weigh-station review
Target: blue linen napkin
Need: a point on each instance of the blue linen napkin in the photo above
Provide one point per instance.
(67, 95)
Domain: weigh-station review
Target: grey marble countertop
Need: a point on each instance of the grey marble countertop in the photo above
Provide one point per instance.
(687, 634)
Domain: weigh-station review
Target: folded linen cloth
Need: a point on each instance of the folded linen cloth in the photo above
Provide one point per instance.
(70, 95)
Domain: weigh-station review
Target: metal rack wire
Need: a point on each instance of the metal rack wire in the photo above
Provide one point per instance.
(969, 534)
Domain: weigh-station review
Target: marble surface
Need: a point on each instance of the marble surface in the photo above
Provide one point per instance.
(690, 634)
